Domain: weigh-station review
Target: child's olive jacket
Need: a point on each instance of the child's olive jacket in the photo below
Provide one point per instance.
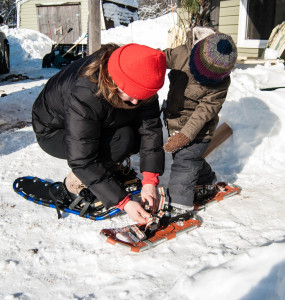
(191, 107)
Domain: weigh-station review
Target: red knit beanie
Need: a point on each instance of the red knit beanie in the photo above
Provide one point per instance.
(138, 70)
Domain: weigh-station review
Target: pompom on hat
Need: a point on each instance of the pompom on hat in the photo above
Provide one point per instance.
(138, 70)
(213, 58)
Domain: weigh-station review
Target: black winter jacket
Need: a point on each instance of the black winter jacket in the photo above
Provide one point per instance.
(68, 101)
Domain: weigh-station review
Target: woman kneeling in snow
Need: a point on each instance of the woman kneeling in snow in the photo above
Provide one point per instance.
(99, 110)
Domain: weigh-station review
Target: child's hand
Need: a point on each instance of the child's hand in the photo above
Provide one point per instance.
(176, 142)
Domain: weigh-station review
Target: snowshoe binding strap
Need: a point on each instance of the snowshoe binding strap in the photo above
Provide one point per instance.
(136, 234)
(87, 198)
(162, 197)
(205, 192)
(58, 193)
(156, 222)
(82, 203)
(208, 194)
(153, 223)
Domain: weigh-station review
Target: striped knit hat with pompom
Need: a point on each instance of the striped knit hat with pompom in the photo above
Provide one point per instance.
(213, 58)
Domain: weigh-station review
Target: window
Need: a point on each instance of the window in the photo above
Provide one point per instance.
(257, 19)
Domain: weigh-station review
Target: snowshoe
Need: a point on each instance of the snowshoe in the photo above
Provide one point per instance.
(170, 221)
(206, 195)
(160, 227)
(56, 195)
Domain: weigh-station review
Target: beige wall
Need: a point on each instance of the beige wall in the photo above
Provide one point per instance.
(28, 13)
(228, 23)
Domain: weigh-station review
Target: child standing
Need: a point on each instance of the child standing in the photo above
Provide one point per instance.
(199, 81)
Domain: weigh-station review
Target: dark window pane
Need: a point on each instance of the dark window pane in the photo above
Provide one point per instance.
(279, 12)
(263, 16)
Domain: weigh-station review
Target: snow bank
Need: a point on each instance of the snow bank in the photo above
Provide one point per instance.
(26, 45)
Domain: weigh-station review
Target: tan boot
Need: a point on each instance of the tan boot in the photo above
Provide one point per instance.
(73, 184)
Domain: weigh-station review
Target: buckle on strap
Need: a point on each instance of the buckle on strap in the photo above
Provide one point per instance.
(136, 234)
(153, 223)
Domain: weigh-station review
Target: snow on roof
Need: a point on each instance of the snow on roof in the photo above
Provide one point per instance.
(132, 3)
(118, 14)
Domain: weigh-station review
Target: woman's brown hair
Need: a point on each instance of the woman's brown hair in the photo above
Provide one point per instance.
(98, 73)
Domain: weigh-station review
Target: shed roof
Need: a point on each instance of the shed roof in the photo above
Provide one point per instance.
(132, 3)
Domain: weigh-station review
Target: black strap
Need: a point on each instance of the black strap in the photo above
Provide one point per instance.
(84, 209)
(153, 222)
(75, 202)
(55, 200)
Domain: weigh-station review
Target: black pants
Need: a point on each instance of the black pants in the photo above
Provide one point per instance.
(115, 145)
(189, 169)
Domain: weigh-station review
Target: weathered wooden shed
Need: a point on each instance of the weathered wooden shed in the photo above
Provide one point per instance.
(54, 17)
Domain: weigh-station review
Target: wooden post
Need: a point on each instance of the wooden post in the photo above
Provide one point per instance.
(221, 134)
(94, 26)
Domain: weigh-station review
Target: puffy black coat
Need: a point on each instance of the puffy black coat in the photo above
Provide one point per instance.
(68, 101)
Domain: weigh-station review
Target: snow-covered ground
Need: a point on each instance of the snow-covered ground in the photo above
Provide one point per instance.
(238, 252)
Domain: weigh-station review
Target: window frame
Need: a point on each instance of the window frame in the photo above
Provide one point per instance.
(242, 27)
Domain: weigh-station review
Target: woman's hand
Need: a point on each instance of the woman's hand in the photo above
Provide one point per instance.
(136, 212)
(149, 193)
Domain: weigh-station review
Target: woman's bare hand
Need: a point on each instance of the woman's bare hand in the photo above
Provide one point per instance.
(136, 212)
(149, 193)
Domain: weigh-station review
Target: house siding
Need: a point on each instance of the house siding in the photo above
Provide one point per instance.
(228, 23)
(28, 13)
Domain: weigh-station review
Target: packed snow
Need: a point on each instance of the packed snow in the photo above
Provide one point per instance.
(237, 253)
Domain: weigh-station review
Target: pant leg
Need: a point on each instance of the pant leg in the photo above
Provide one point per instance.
(115, 145)
(188, 165)
(54, 144)
(206, 175)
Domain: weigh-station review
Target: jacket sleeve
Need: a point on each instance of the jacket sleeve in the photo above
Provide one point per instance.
(176, 58)
(208, 108)
(83, 118)
(149, 127)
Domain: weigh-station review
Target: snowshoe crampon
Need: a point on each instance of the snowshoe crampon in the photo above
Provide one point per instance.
(55, 195)
(208, 195)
